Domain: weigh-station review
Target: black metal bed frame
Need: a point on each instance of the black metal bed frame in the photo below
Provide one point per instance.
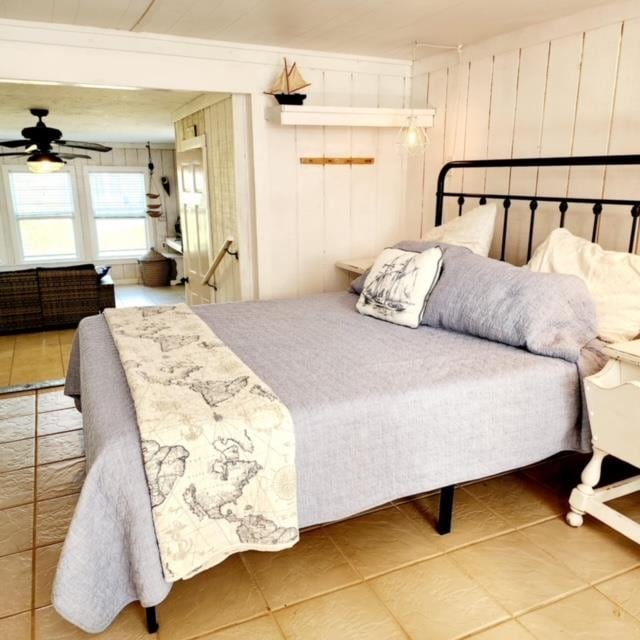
(563, 201)
(445, 514)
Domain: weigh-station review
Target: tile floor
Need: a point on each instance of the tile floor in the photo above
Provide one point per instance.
(35, 357)
(511, 569)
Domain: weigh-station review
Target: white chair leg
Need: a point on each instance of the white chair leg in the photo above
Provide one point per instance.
(584, 492)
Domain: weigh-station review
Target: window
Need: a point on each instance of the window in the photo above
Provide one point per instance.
(44, 210)
(118, 203)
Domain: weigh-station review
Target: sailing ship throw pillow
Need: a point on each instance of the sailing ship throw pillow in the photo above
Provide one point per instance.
(399, 284)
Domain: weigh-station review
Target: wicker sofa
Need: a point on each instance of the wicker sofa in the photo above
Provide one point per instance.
(52, 297)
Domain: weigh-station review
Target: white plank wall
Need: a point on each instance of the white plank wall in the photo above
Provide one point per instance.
(321, 214)
(129, 155)
(571, 94)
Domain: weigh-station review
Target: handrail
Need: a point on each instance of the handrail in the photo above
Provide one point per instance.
(224, 249)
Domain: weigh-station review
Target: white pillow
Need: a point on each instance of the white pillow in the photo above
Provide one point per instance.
(613, 278)
(473, 230)
(399, 284)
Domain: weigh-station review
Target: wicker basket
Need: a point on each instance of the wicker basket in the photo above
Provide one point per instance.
(155, 269)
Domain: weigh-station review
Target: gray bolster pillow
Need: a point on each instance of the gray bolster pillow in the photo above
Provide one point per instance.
(548, 314)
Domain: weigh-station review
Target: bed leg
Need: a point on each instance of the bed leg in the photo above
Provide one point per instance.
(446, 510)
(152, 620)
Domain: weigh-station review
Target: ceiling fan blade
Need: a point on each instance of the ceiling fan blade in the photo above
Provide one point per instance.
(90, 146)
(16, 143)
(70, 156)
(15, 154)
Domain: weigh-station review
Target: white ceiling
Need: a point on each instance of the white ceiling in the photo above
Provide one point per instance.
(94, 115)
(372, 27)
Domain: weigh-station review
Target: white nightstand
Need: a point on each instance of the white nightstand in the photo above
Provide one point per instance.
(613, 401)
(355, 266)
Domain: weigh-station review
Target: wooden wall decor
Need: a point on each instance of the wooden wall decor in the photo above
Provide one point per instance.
(322, 160)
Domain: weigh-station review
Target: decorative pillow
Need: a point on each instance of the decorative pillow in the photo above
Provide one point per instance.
(398, 285)
(613, 278)
(547, 314)
(473, 230)
(417, 246)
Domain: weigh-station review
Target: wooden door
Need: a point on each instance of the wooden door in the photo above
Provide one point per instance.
(197, 241)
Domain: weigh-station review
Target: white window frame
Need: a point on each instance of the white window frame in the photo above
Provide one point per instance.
(15, 252)
(92, 236)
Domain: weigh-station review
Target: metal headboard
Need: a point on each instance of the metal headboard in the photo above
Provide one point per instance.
(534, 200)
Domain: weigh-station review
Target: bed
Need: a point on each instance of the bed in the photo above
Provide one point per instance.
(377, 417)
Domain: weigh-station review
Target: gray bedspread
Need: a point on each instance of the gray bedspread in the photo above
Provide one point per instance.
(380, 412)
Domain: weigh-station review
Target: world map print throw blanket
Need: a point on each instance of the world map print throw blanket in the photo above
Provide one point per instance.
(218, 445)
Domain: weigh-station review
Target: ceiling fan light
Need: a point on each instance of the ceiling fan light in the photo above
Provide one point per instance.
(43, 162)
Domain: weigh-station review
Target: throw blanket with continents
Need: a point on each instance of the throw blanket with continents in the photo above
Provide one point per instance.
(218, 445)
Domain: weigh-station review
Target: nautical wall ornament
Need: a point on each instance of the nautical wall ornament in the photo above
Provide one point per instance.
(288, 83)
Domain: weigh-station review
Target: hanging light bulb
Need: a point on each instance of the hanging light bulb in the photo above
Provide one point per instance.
(44, 162)
(413, 137)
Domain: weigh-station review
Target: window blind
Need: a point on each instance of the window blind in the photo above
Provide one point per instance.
(118, 195)
(41, 195)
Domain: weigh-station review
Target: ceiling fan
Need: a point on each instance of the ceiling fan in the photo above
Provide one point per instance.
(37, 144)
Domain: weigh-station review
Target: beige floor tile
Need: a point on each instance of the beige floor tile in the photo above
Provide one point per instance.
(16, 627)
(593, 551)
(45, 570)
(16, 487)
(625, 591)
(65, 354)
(519, 500)
(66, 336)
(7, 343)
(628, 505)
(382, 541)
(129, 625)
(516, 572)
(213, 599)
(53, 518)
(60, 478)
(511, 630)
(260, 629)
(59, 421)
(587, 615)
(17, 428)
(17, 404)
(53, 400)
(313, 566)
(436, 600)
(29, 340)
(35, 356)
(15, 583)
(6, 361)
(44, 369)
(17, 455)
(472, 521)
(60, 446)
(353, 613)
(16, 526)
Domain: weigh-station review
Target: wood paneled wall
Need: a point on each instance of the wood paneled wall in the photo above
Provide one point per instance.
(320, 214)
(124, 156)
(571, 94)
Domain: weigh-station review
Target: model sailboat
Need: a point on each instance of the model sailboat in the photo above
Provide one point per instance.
(288, 83)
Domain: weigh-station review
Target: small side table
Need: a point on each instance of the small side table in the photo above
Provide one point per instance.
(613, 401)
(355, 266)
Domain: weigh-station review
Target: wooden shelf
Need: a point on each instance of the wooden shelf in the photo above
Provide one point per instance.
(347, 116)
